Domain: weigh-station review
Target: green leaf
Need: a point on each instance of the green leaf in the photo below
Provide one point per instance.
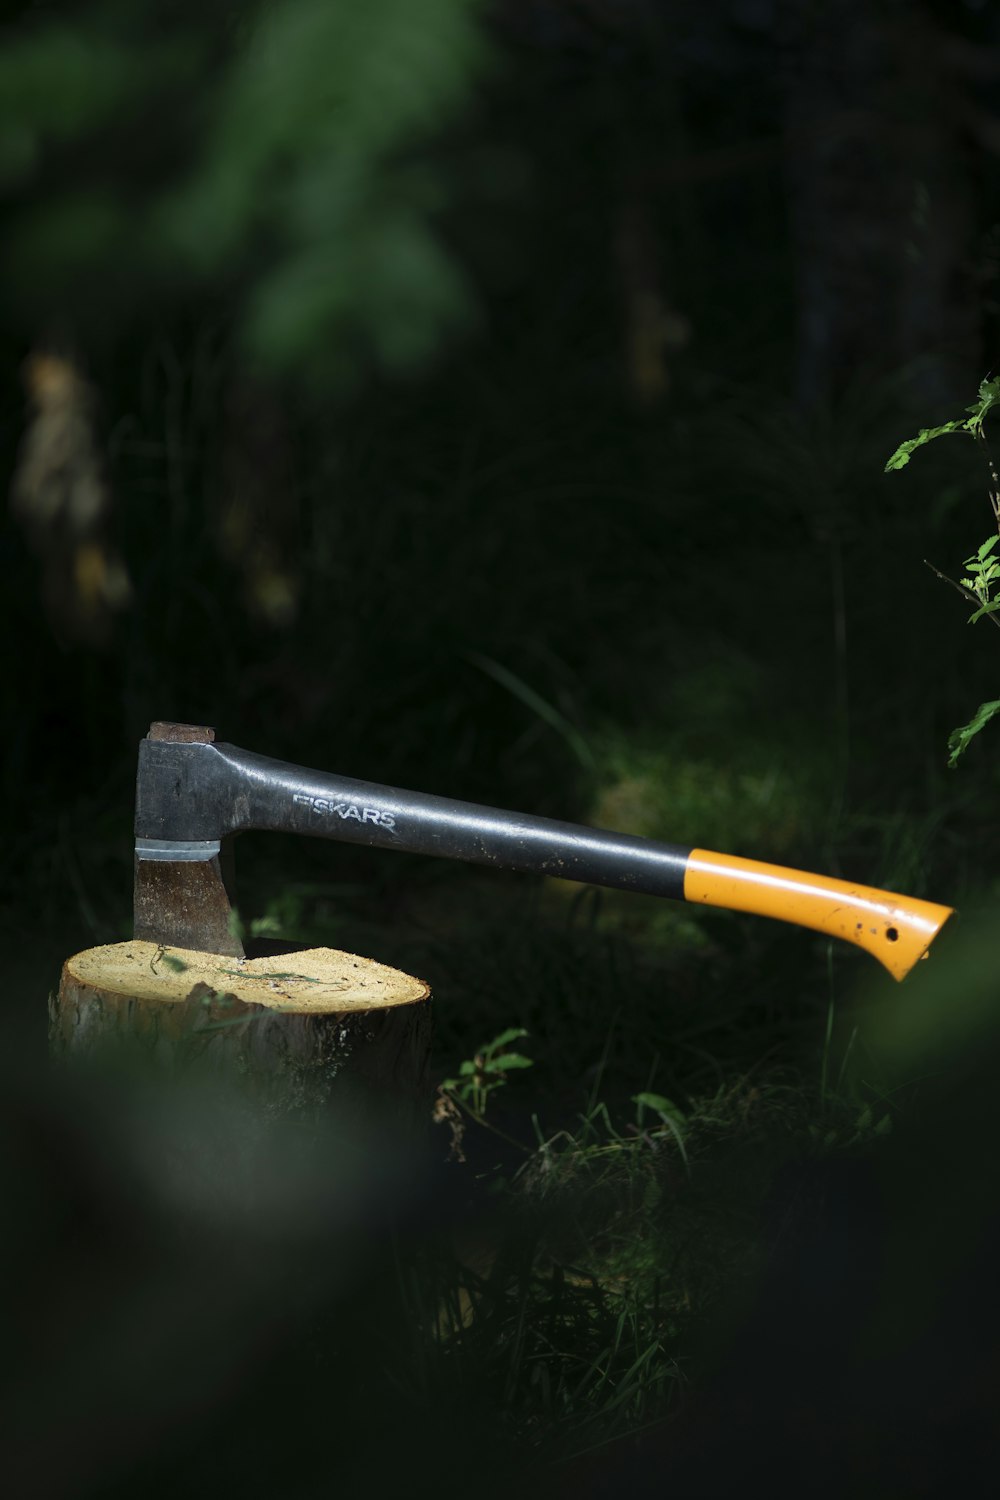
(989, 396)
(672, 1117)
(972, 424)
(176, 964)
(512, 1034)
(505, 1062)
(981, 573)
(958, 740)
(988, 546)
(904, 452)
(660, 1105)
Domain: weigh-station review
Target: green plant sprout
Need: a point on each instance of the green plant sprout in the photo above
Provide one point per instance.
(481, 1075)
(673, 1121)
(981, 582)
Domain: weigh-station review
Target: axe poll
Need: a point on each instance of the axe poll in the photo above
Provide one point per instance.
(193, 793)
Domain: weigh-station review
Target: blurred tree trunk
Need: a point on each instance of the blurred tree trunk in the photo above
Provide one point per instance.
(258, 514)
(881, 178)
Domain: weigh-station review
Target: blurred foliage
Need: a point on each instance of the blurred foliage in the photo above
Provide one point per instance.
(274, 154)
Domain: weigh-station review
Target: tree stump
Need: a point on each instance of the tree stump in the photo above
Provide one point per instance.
(300, 1033)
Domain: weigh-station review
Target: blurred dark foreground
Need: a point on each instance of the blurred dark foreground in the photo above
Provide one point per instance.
(198, 1301)
(203, 1300)
(867, 1361)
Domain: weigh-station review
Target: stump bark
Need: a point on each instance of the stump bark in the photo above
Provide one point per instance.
(300, 1033)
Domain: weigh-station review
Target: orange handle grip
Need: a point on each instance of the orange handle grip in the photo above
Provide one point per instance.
(897, 930)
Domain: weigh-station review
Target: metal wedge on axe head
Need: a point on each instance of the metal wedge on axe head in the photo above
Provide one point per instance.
(192, 793)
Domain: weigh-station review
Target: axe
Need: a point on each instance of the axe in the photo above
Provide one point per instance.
(192, 794)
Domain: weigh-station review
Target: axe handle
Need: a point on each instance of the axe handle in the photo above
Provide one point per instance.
(897, 930)
(197, 793)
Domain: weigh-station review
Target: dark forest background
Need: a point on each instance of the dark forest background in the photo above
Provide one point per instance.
(494, 400)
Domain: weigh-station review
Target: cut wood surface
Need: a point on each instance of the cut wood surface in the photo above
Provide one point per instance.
(314, 981)
(299, 1030)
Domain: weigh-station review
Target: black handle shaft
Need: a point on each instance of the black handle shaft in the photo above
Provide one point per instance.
(204, 792)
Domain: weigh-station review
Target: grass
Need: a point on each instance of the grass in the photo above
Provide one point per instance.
(576, 1288)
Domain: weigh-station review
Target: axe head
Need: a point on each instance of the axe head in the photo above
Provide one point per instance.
(185, 903)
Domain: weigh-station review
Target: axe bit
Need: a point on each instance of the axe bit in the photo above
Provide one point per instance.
(192, 794)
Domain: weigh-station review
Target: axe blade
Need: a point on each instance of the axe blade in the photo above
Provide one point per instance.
(184, 905)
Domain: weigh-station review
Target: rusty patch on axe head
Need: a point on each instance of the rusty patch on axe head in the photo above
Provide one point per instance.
(181, 734)
(184, 905)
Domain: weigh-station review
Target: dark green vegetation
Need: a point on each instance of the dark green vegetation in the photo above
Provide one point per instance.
(454, 416)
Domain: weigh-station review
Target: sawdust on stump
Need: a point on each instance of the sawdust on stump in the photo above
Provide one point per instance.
(298, 1032)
